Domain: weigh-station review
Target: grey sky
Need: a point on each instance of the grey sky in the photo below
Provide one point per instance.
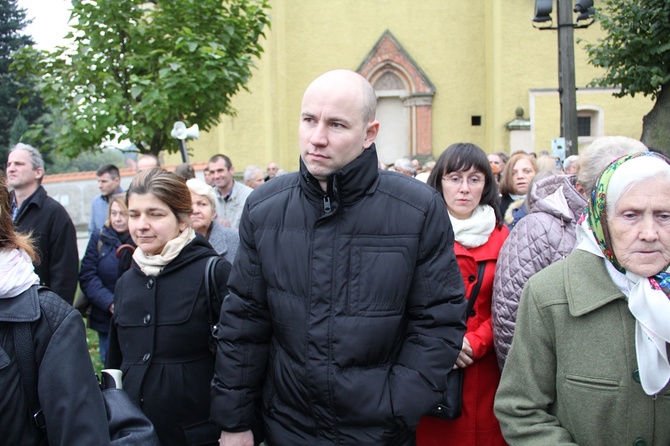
(50, 19)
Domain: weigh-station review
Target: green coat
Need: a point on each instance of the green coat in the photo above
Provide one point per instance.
(571, 375)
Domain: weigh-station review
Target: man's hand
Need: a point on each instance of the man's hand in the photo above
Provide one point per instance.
(236, 439)
(465, 357)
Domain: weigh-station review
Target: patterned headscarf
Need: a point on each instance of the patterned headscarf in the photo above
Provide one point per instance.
(648, 297)
(597, 218)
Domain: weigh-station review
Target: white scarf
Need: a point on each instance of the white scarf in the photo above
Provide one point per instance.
(17, 272)
(153, 265)
(651, 309)
(477, 229)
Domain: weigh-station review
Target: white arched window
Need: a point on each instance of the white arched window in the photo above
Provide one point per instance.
(405, 97)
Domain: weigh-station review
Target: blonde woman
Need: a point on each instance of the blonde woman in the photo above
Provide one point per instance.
(100, 268)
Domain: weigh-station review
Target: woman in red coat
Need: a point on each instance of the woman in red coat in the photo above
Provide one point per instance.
(464, 177)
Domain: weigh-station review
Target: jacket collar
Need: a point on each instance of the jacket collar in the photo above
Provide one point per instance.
(107, 197)
(23, 308)
(585, 296)
(347, 185)
(36, 199)
(112, 236)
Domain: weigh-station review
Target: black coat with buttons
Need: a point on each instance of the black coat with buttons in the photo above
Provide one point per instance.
(159, 339)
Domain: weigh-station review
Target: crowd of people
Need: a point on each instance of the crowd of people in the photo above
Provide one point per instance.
(344, 294)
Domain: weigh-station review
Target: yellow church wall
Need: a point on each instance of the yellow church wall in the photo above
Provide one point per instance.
(529, 61)
(483, 57)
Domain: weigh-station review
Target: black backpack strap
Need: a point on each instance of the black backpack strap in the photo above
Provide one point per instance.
(481, 267)
(25, 359)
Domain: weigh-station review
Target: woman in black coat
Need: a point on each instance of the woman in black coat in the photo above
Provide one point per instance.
(160, 329)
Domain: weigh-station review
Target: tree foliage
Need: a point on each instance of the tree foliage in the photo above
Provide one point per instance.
(635, 55)
(134, 68)
(636, 50)
(12, 109)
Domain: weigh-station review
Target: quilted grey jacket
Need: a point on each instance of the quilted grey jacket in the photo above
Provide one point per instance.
(544, 236)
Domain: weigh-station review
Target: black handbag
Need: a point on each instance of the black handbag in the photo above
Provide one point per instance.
(128, 426)
(450, 406)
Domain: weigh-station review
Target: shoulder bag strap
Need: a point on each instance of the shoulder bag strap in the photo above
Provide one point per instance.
(25, 359)
(481, 266)
(211, 288)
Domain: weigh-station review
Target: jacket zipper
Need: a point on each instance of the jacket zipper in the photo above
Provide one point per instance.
(326, 204)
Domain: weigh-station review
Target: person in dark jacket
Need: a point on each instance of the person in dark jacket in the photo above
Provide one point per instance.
(346, 305)
(160, 332)
(33, 211)
(100, 268)
(72, 407)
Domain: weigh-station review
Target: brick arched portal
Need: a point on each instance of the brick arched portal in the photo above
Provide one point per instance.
(395, 76)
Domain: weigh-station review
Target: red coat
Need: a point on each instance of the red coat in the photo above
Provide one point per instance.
(477, 425)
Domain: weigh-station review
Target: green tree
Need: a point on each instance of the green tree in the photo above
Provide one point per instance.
(636, 57)
(134, 68)
(17, 98)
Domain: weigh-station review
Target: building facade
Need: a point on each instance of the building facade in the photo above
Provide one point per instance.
(445, 71)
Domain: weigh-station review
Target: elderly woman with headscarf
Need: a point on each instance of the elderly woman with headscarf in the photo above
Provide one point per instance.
(589, 359)
(203, 220)
(549, 232)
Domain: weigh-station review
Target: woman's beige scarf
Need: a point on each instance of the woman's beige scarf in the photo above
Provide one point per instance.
(153, 265)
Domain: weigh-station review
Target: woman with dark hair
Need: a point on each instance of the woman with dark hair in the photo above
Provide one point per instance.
(100, 268)
(72, 409)
(160, 328)
(464, 177)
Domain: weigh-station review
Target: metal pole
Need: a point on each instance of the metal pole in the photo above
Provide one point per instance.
(184, 152)
(566, 76)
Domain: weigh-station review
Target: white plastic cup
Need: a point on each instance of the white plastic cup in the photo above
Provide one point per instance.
(112, 378)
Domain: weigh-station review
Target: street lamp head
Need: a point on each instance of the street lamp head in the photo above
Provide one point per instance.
(585, 9)
(543, 10)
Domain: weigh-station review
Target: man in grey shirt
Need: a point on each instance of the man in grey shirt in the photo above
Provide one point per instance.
(230, 194)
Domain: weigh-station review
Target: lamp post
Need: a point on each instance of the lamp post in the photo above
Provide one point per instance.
(566, 59)
(566, 77)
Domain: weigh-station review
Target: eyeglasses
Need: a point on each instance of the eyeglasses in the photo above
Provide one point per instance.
(118, 214)
(456, 180)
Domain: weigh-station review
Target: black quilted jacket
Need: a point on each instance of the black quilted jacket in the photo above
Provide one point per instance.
(346, 307)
